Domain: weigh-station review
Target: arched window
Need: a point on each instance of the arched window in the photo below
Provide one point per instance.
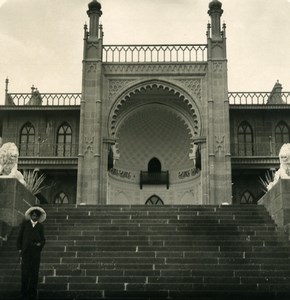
(154, 165)
(61, 198)
(64, 140)
(27, 140)
(281, 135)
(247, 198)
(154, 200)
(245, 139)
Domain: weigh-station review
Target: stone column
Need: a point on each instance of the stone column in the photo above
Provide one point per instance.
(90, 146)
(218, 141)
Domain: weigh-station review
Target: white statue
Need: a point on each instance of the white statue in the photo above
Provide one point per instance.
(284, 170)
(8, 162)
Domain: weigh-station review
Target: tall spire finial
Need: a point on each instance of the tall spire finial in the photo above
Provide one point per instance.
(215, 11)
(94, 12)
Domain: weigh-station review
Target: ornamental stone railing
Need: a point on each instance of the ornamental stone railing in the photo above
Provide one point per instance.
(43, 99)
(154, 53)
(42, 148)
(259, 98)
(270, 148)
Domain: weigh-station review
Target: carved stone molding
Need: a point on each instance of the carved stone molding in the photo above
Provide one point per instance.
(57, 161)
(89, 144)
(92, 68)
(217, 67)
(155, 68)
(92, 45)
(219, 145)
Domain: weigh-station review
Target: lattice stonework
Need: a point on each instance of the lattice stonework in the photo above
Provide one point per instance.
(116, 85)
(192, 85)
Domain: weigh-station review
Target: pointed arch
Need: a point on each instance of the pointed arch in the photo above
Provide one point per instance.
(245, 139)
(61, 198)
(281, 135)
(247, 198)
(64, 140)
(27, 140)
(154, 200)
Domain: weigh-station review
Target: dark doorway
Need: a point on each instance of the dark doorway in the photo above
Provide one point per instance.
(154, 165)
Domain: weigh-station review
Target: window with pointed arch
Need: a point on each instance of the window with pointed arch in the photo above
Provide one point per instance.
(281, 135)
(245, 139)
(64, 140)
(61, 198)
(247, 198)
(154, 200)
(27, 140)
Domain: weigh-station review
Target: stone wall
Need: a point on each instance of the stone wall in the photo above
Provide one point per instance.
(15, 199)
(277, 202)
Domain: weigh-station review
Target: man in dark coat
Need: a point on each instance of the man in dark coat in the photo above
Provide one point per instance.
(30, 242)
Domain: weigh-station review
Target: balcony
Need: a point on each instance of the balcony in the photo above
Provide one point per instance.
(255, 155)
(154, 178)
(48, 156)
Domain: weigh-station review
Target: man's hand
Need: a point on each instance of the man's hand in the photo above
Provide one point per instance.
(38, 244)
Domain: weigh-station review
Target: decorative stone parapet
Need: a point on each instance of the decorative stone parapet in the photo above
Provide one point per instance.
(277, 203)
(15, 199)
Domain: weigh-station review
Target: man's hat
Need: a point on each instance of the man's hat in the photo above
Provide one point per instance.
(41, 211)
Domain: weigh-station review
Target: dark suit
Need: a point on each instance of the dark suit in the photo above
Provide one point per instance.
(27, 239)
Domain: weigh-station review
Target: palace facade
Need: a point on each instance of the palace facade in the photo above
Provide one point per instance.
(154, 124)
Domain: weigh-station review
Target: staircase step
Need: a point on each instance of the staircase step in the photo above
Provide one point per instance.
(146, 252)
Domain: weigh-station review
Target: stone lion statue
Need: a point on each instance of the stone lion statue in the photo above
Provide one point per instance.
(284, 170)
(8, 162)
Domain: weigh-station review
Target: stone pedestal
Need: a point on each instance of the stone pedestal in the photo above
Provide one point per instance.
(15, 199)
(277, 202)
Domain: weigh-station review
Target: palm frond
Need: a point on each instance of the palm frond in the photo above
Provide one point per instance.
(269, 177)
(34, 181)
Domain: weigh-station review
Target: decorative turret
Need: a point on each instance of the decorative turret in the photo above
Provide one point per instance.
(276, 94)
(215, 11)
(94, 12)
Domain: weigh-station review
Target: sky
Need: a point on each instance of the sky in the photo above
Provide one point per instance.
(41, 40)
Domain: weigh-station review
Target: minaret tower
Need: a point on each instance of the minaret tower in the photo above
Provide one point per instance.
(219, 179)
(90, 139)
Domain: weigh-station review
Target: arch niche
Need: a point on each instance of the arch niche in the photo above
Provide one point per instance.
(154, 119)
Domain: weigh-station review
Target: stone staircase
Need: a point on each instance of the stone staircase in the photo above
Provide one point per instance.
(156, 252)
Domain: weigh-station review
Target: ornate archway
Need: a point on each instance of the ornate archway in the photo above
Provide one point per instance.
(154, 91)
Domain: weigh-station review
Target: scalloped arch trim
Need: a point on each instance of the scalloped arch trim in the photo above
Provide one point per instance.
(127, 96)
